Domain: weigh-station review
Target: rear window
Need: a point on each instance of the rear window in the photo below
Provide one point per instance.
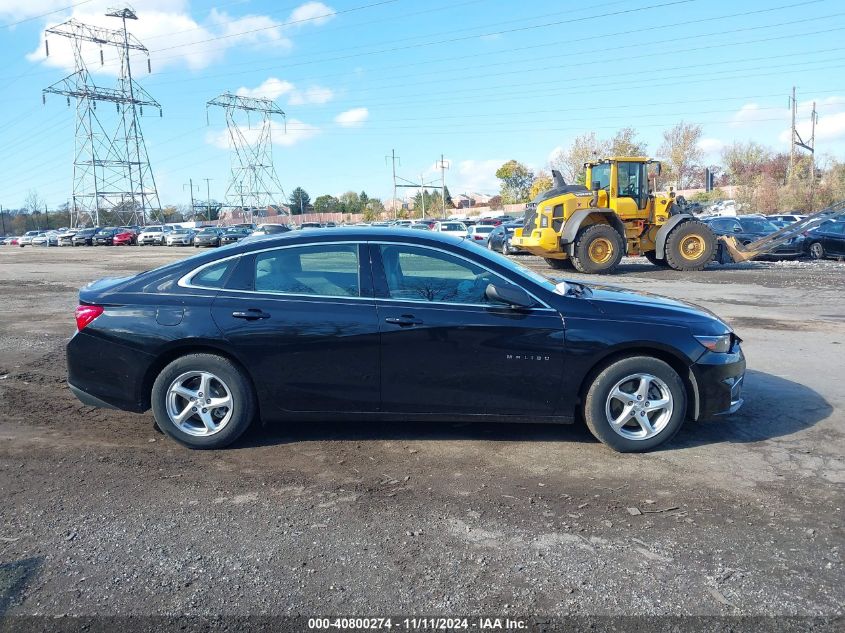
(452, 226)
(214, 276)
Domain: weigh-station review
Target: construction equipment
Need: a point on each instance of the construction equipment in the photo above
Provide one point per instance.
(592, 229)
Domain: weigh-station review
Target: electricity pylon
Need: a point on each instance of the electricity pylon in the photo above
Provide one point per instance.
(111, 169)
(253, 183)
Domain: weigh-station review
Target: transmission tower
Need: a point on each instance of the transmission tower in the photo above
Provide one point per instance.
(111, 169)
(253, 183)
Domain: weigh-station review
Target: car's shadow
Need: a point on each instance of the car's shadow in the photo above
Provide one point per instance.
(774, 407)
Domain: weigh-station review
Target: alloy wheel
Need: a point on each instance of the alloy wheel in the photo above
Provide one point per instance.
(639, 406)
(199, 403)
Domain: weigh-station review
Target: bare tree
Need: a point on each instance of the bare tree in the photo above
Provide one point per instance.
(680, 150)
(583, 149)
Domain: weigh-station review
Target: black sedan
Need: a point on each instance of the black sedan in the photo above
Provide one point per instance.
(85, 237)
(104, 237)
(230, 236)
(379, 324)
(500, 238)
(750, 228)
(828, 240)
(209, 236)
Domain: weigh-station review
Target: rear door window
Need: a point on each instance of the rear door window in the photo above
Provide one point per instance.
(326, 270)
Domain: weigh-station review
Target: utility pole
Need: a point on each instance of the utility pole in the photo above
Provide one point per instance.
(810, 145)
(393, 158)
(2, 221)
(793, 107)
(422, 197)
(208, 198)
(47, 217)
(444, 165)
(190, 184)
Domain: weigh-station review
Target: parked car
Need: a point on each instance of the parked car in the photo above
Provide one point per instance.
(489, 222)
(53, 238)
(12, 241)
(750, 228)
(209, 236)
(42, 239)
(480, 232)
(413, 324)
(423, 226)
(500, 238)
(180, 237)
(26, 238)
(104, 237)
(124, 237)
(310, 225)
(65, 238)
(85, 237)
(154, 235)
(232, 235)
(826, 240)
(786, 217)
(451, 228)
(271, 229)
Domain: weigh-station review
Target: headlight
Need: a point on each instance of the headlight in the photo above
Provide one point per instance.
(721, 344)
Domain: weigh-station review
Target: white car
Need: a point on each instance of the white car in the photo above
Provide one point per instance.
(154, 235)
(65, 238)
(27, 238)
(480, 233)
(42, 239)
(458, 229)
(180, 237)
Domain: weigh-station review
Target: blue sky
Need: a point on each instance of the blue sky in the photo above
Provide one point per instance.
(480, 81)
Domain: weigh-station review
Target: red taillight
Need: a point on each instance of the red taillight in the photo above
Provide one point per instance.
(86, 314)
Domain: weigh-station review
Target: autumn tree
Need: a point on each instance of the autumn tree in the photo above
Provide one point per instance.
(516, 181)
(626, 143)
(326, 204)
(542, 182)
(681, 151)
(584, 148)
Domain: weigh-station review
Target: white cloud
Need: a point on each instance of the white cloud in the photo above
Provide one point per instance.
(312, 95)
(315, 12)
(352, 118)
(753, 113)
(271, 88)
(475, 176)
(294, 132)
(711, 146)
(166, 27)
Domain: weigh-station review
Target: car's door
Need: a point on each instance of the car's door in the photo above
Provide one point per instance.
(446, 349)
(833, 238)
(303, 320)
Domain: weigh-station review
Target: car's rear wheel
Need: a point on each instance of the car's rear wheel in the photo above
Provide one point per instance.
(635, 404)
(203, 401)
(817, 250)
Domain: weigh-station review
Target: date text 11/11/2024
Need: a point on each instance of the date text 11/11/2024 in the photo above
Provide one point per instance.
(420, 623)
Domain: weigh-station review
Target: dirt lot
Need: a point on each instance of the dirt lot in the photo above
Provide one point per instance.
(102, 515)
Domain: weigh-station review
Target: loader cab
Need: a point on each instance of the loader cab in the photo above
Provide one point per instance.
(624, 181)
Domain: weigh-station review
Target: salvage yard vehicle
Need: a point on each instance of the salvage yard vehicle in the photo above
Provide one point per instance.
(124, 236)
(104, 237)
(827, 240)
(85, 237)
(414, 325)
(66, 237)
(26, 238)
(154, 235)
(479, 233)
(749, 228)
(500, 238)
(232, 235)
(180, 237)
(209, 236)
(450, 228)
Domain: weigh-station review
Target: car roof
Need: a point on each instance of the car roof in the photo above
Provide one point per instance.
(351, 233)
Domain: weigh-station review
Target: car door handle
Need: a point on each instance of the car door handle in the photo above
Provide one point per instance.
(406, 320)
(253, 314)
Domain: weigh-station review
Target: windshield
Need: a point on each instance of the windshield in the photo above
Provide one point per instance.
(757, 225)
(452, 226)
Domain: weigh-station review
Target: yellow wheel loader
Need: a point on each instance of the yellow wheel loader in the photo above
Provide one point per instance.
(592, 229)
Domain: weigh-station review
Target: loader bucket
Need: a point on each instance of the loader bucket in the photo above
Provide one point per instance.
(737, 253)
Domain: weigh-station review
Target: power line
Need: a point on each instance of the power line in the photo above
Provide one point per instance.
(44, 15)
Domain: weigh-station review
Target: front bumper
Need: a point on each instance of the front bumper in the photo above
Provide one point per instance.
(719, 381)
(542, 242)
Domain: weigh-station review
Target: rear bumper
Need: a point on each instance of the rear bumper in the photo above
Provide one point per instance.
(719, 379)
(103, 372)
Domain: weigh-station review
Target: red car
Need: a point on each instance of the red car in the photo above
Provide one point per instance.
(124, 238)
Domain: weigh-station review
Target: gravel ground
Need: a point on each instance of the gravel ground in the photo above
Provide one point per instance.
(103, 516)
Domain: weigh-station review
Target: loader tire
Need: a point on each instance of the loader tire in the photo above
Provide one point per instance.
(690, 246)
(560, 264)
(598, 250)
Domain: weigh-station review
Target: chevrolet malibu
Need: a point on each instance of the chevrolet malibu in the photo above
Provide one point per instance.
(375, 324)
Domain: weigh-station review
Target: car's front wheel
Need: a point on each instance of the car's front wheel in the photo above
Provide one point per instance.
(635, 404)
(817, 250)
(203, 401)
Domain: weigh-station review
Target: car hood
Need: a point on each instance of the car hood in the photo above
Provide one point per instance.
(634, 305)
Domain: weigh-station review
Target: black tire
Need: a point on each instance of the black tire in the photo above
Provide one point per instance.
(691, 245)
(817, 250)
(243, 399)
(490, 246)
(598, 396)
(560, 264)
(505, 250)
(585, 259)
(654, 259)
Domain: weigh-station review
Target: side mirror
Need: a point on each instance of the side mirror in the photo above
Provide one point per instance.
(737, 229)
(513, 296)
